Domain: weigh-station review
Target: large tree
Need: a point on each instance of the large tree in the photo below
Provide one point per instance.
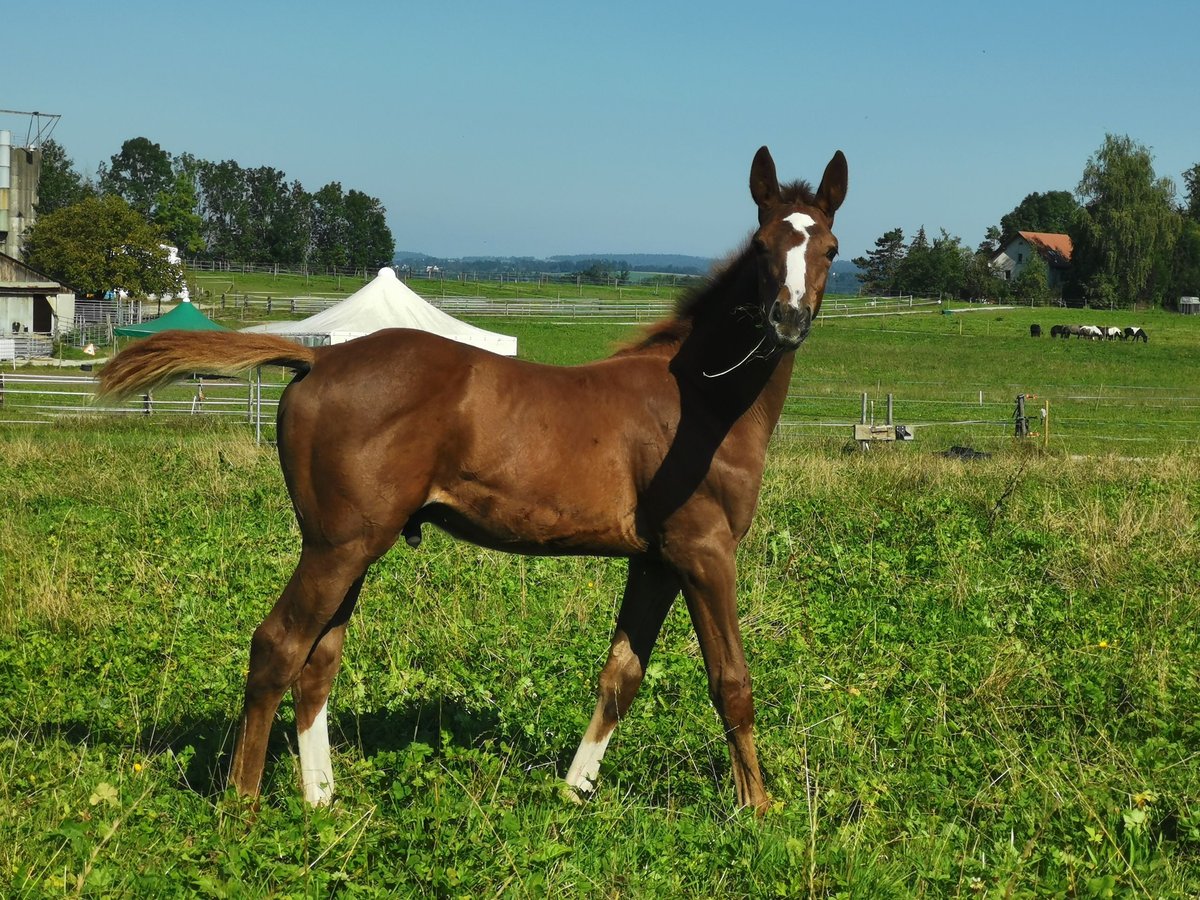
(59, 184)
(1053, 212)
(101, 243)
(138, 174)
(1125, 233)
(880, 265)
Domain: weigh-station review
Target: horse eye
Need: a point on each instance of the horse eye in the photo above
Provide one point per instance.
(833, 251)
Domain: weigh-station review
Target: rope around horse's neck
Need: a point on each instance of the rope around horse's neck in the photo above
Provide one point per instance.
(738, 364)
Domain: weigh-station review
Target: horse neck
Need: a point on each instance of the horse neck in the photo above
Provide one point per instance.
(726, 357)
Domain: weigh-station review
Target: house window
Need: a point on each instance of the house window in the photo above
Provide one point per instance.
(1020, 257)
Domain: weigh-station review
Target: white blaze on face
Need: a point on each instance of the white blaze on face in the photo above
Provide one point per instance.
(796, 266)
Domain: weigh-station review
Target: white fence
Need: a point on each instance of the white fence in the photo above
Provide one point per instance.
(42, 399)
(25, 345)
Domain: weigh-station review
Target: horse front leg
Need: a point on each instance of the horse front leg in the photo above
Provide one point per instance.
(709, 577)
(650, 589)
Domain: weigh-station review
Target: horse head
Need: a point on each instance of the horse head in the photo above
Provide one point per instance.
(794, 245)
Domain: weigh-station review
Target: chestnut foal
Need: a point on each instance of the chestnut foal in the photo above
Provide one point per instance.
(655, 454)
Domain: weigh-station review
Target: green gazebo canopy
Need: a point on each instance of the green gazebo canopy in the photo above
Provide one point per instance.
(184, 317)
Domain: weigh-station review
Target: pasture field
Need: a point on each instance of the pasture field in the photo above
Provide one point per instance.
(211, 285)
(973, 679)
(954, 377)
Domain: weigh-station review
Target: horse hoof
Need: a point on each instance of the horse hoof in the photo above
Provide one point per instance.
(572, 795)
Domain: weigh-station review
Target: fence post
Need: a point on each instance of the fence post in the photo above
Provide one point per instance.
(258, 406)
(1022, 421)
(147, 403)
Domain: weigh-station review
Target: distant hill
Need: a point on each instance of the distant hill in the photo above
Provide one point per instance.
(648, 262)
(671, 263)
(842, 278)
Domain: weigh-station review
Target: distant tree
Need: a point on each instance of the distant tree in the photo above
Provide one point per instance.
(879, 266)
(990, 244)
(979, 281)
(175, 213)
(1191, 181)
(59, 184)
(329, 227)
(368, 239)
(1185, 265)
(1052, 212)
(224, 209)
(913, 273)
(935, 269)
(1033, 284)
(277, 217)
(138, 174)
(101, 243)
(1125, 233)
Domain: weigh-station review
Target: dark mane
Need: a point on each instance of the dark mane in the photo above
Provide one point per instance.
(669, 332)
(798, 192)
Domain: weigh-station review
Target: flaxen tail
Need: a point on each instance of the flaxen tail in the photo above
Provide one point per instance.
(161, 358)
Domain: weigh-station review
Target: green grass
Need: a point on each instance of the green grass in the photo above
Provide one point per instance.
(972, 680)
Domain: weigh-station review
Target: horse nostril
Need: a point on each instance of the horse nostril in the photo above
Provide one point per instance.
(776, 313)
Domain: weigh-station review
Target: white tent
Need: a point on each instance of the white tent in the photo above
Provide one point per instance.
(386, 302)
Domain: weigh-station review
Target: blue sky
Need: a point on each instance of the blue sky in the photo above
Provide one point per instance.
(538, 128)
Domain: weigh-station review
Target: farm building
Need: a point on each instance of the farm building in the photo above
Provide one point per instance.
(20, 169)
(1010, 261)
(32, 303)
(1189, 306)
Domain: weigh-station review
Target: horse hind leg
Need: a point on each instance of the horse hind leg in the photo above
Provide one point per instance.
(649, 592)
(303, 631)
(310, 694)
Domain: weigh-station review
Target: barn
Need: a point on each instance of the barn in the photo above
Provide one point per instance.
(1189, 306)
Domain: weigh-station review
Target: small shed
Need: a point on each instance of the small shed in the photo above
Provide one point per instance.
(1189, 306)
(31, 302)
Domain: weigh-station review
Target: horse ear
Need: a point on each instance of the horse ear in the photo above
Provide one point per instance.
(764, 185)
(832, 191)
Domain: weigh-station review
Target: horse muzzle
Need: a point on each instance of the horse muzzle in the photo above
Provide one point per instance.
(791, 324)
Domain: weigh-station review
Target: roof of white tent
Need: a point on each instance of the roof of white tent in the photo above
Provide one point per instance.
(387, 302)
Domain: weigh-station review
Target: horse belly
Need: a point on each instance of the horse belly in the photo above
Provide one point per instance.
(585, 517)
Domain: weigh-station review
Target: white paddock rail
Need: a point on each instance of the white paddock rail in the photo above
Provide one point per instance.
(40, 399)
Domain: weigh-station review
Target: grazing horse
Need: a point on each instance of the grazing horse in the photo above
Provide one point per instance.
(1035, 330)
(655, 454)
(1133, 332)
(1060, 331)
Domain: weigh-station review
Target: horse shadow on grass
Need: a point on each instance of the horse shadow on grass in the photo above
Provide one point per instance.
(204, 746)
